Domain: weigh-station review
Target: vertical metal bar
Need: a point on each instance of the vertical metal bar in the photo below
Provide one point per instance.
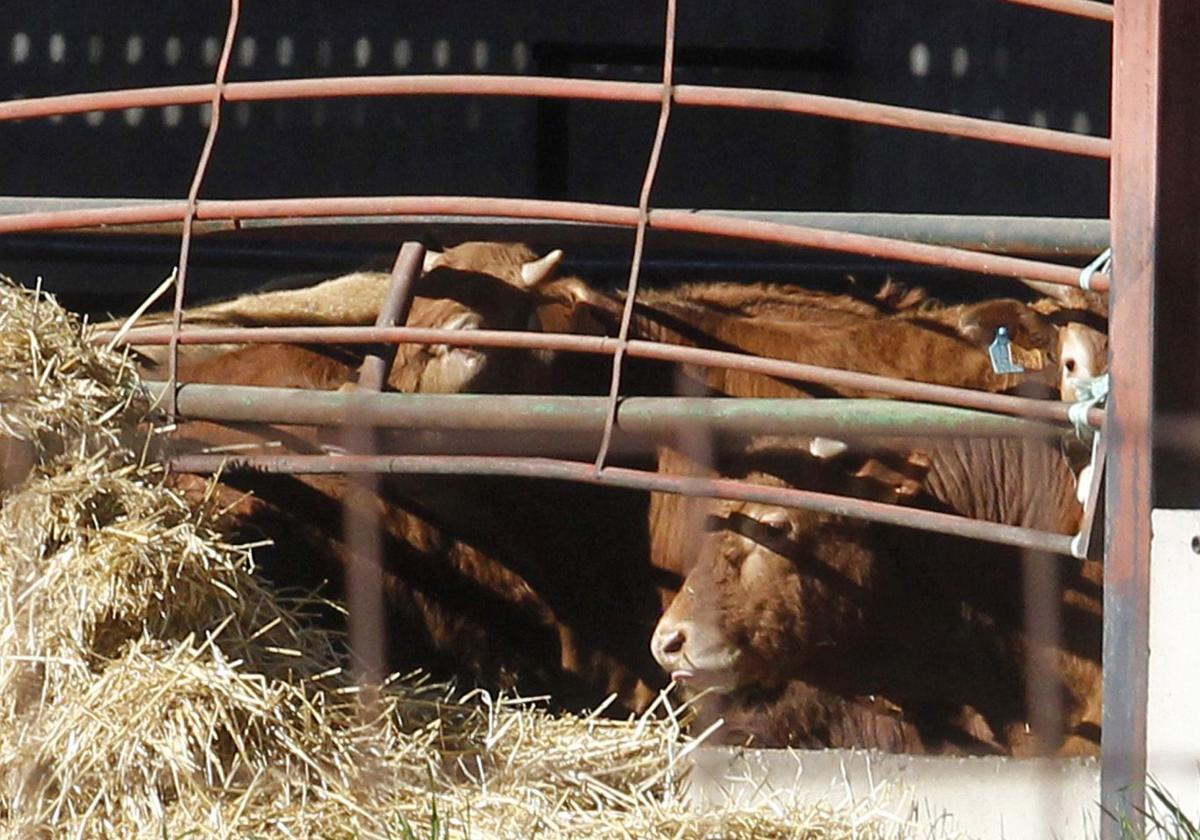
(1143, 198)
(1043, 634)
(1091, 537)
(378, 364)
(1155, 205)
(639, 240)
(367, 612)
(189, 216)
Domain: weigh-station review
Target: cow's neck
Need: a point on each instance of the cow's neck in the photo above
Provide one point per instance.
(1027, 483)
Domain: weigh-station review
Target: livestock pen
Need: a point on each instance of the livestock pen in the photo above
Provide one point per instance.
(1153, 195)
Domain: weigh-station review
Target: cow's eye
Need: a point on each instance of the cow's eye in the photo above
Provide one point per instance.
(732, 554)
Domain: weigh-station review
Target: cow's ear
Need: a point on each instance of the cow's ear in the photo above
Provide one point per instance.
(538, 271)
(432, 260)
(979, 322)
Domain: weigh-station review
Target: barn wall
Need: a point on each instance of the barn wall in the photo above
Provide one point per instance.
(979, 57)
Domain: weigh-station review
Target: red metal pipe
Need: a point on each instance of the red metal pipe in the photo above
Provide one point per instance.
(1079, 8)
(1050, 410)
(132, 214)
(634, 479)
(564, 88)
(1000, 403)
(996, 265)
(895, 116)
(572, 211)
(106, 100)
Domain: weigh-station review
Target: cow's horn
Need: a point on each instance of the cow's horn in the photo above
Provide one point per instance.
(432, 258)
(826, 448)
(1066, 295)
(535, 272)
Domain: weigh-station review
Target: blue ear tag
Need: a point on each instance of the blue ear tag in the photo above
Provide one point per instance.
(1000, 353)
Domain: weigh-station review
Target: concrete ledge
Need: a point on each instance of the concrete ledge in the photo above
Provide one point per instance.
(986, 798)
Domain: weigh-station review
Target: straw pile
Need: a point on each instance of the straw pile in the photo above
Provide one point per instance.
(152, 686)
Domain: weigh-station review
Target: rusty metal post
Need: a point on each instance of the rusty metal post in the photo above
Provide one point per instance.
(361, 512)
(378, 363)
(1155, 213)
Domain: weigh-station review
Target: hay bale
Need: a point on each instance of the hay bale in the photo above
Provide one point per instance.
(55, 385)
(152, 686)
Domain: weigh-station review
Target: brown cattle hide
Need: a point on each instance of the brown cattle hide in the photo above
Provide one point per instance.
(930, 626)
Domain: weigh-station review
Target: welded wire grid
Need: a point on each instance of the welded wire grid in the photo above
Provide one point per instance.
(189, 214)
(641, 218)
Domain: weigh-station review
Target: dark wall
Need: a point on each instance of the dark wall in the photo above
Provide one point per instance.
(981, 57)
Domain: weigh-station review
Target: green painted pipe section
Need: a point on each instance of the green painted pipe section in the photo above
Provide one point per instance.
(643, 417)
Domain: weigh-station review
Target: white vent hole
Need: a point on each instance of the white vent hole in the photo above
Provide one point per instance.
(362, 52)
(285, 51)
(21, 47)
(919, 59)
(402, 53)
(173, 50)
(135, 48)
(441, 53)
(57, 48)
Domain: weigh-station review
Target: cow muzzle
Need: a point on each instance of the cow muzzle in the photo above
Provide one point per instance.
(694, 656)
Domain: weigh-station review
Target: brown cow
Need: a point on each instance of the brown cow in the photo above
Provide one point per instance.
(849, 583)
(930, 625)
(473, 569)
(476, 285)
(821, 328)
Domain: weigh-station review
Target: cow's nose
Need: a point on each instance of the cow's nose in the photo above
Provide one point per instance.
(668, 643)
(674, 642)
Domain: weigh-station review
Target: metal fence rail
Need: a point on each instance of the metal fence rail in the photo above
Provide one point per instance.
(1049, 410)
(1050, 237)
(655, 418)
(996, 265)
(1079, 8)
(548, 468)
(564, 88)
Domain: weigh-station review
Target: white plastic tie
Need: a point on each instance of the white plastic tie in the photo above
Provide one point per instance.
(1099, 265)
(1078, 414)
(1092, 392)
(1077, 547)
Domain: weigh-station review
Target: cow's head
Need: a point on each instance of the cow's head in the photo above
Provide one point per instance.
(473, 286)
(1066, 325)
(1081, 320)
(772, 593)
(1083, 354)
(476, 285)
